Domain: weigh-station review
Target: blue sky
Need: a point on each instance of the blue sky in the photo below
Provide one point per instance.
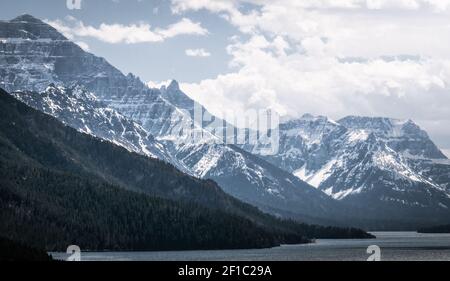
(324, 57)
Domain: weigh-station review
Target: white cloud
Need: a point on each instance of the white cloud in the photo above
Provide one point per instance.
(185, 26)
(197, 53)
(353, 27)
(130, 34)
(365, 57)
(158, 85)
(386, 32)
(179, 6)
(297, 83)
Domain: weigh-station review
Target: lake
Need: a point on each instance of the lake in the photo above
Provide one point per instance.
(395, 246)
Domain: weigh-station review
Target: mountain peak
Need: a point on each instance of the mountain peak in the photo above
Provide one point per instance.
(27, 19)
(176, 96)
(173, 86)
(307, 116)
(28, 27)
(318, 118)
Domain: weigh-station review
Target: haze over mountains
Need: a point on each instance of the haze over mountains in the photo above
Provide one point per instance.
(388, 170)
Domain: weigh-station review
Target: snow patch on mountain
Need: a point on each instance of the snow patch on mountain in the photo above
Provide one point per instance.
(207, 162)
(344, 193)
(316, 177)
(386, 160)
(358, 135)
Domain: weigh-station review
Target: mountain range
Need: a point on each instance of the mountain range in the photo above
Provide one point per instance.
(372, 172)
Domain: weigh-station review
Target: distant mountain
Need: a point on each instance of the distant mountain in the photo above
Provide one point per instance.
(160, 112)
(412, 143)
(61, 187)
(388, 168)
(403, 136)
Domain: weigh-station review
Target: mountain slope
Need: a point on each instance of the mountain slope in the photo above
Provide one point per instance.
(79, 109)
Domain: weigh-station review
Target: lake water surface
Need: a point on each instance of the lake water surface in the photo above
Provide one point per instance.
(394, 246)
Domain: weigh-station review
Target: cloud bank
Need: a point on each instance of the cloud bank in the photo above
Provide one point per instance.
(129, 34)
(335, 58)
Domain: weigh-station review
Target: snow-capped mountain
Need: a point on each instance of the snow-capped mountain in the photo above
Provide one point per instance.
(33, 54)
(425, 162)
(404, 136)
(387, 166)
(31, 60)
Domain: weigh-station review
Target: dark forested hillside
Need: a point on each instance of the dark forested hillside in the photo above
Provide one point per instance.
(48, 209)
(60, 187)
